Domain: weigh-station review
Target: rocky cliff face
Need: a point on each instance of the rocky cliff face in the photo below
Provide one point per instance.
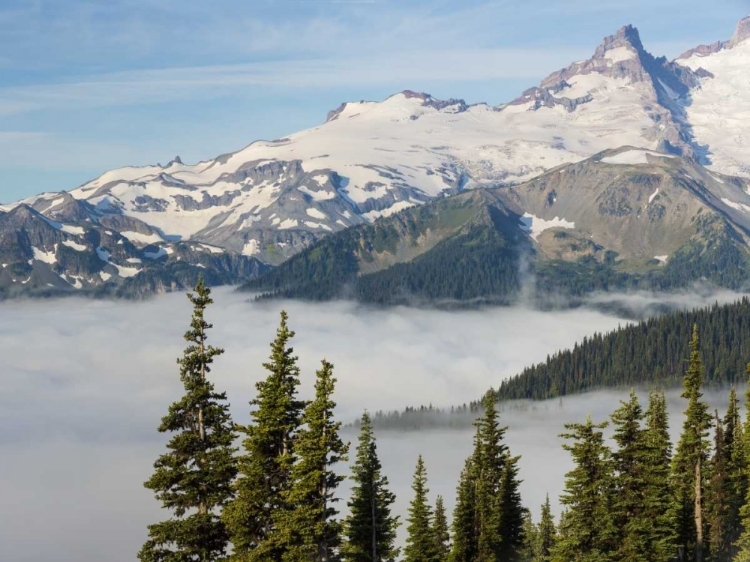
(40, 256)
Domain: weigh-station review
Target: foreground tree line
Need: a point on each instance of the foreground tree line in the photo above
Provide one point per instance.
(275, 497)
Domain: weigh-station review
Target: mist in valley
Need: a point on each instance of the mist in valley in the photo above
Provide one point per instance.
(85, 384)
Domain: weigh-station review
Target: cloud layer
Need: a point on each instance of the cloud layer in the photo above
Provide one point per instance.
(86, 382)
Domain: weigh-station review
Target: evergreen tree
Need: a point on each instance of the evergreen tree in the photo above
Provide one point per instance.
(511, 512)
(442, 536)
(736, 470)
(490, 457)
(587, 531)
(547, 534)
(308, 532)
(265, 467)
(465, 523)
(630, 461)
(743, 543)
(193, 478)
(717, 499)
(530, 539)
(658, 502)
(421, 543)
(370, 528)
(689, 467)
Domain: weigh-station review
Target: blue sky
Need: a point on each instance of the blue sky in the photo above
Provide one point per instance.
(87, 86)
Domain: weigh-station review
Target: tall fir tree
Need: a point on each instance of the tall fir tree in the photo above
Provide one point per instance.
(266, 465)
(530, 539)
(587, 532)
(490, 456)
(629, 504)
(308, 531)
(658, 503)
(547, 533)
(717, 499)
(511, 512)
(440, 530)
(743, 542)
(370, 528)
(689, 466)
(421, 543)
(193, 479)
(465, 520)
(737, 470)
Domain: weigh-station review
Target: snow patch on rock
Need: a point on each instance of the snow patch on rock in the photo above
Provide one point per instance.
(534, 226)
(633, 157)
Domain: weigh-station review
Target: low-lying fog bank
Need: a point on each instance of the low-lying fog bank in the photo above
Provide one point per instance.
(86, 382)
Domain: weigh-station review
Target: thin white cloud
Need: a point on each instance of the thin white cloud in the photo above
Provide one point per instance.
(208, 82)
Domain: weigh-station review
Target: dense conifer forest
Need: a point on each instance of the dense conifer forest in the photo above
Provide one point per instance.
(650, 353)
(637, 497)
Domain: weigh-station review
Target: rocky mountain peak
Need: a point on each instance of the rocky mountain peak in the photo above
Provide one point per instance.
(627, 37)
(741, 33)
(429, 101)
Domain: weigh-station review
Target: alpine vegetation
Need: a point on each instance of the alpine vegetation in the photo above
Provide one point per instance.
(634, 497)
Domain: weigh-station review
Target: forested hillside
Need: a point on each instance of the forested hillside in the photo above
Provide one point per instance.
(638, 498)
(650, 353)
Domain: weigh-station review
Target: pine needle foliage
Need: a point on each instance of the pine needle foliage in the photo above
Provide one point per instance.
(308, 531)
(265, 467)
(587, 531)
(690, 463)
(193, 478)
(370, 528)
(421, 543)
(442, 535)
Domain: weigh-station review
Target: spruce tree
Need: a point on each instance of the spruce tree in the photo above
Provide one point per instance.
(587, 532)
(547, 534)
(307, 531)
(717, 499)
(465, 521)
(370, 528)
(421, 543)
(530, 539)
(440, 530)
(736, 470)
(490, 456)
(629, 505)
(689, 466)
(511, 512)
(266, 465)
(193, 478)
(743, 543)
(658, 502)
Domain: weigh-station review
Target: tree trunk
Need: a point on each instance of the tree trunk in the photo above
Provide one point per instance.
(698, 514)
(202, 507)
(324, 499)
(374, 523)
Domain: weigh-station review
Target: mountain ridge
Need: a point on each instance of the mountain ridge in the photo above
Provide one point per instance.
(272, 199)
(649, 221)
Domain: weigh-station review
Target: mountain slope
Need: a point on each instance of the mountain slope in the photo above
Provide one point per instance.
(622, 219)
(40, 256)
(651, 353)
(369, 159)
(272, 199)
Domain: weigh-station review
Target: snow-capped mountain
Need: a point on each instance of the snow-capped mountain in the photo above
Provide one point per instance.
(371, 159)
(624, 219)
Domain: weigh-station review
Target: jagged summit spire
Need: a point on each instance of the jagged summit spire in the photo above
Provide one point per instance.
(626, 36)
(741, 32)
